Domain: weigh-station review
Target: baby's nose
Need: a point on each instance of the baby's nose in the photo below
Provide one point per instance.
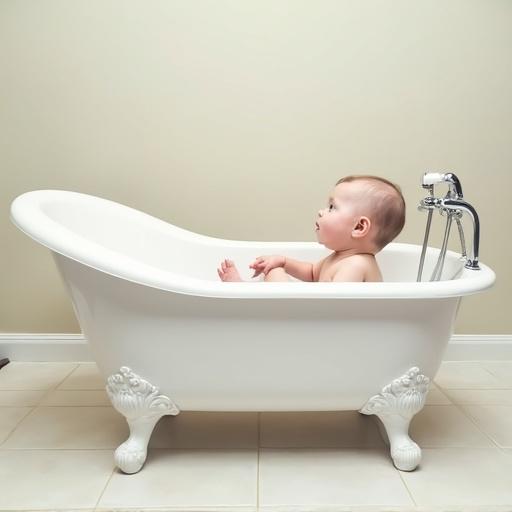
(320, 213)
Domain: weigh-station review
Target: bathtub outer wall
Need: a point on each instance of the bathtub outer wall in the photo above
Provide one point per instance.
(226, 354)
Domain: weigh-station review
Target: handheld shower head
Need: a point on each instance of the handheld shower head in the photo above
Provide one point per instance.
(430, 179)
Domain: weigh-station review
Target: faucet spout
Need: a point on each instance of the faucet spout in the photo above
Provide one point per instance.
(430, 179)
(454, 205)
(461, 205)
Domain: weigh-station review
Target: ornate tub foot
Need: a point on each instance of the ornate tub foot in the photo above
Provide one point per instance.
(139, 402)
(395, 406)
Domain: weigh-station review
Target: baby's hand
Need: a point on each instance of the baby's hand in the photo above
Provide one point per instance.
(266, 263)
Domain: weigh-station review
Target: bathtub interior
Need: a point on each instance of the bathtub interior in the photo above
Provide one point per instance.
(169, 248)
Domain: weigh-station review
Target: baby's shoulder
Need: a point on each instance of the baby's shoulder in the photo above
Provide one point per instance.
(356, 260)
(364, 264)
(363, 258)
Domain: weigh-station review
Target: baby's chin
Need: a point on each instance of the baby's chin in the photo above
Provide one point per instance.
(318, 238)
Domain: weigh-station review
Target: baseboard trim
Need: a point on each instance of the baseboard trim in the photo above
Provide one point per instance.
(479, 347)
(45, 347)
(73, 347)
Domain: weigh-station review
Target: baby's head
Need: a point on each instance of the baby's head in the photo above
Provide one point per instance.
(363, 213)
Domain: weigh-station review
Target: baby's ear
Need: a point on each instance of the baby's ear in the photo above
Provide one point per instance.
(362, 227)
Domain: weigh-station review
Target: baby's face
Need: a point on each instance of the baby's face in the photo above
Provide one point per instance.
(336, 221)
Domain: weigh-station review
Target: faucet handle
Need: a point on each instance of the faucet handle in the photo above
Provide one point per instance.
(454, 187)
(429, 203)
(431, 178)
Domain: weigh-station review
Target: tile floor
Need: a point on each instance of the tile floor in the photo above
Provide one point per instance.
(58, 433)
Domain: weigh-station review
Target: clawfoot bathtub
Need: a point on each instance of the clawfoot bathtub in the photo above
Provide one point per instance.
(169, 336)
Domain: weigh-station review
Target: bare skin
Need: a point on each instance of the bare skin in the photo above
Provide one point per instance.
(345, 226)
(359, 267)
(229, 273)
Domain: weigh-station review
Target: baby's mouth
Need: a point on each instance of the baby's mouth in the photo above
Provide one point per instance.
(317, 226)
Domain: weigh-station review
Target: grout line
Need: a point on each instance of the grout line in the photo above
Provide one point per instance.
(53, 449)
(384, 450)
(460, 407)
(48, 391)
(258, 464)
(113, 448)
(468, 416)
(53, 388)
(37, 405)
(60, 405)
(493, 374)
(173, 508)
(72, 371)
(106, 485)
(482, 365)
(440, 390)
(504, 387)
(30, 411)
(407, 488)
(67, 509)
(471, 419)
(176, 508)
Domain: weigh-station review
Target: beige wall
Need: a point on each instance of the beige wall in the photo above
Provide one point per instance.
(235, 118)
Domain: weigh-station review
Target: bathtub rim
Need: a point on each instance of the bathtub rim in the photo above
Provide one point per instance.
(27, 215)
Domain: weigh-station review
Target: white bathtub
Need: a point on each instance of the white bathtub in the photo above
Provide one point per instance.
(169, 336)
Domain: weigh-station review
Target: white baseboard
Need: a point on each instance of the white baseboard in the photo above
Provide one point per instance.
(73, 347)
(479, 347)
(44, 347)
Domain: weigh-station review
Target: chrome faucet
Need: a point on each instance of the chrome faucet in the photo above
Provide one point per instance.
(453, 206)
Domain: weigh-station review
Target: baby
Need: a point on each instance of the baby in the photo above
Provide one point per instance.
(362, 216)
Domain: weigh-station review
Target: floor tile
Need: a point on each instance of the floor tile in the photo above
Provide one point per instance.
(206, 430)
(436, 397)
(480, 396)
(77, 397)
(10, 417)
(69, 428)
(462, 477)
(53, 479)
(85, 376)
(22, 398)
(465, 375)
(440, 426)
(39, 376)
(322, 477)
(190, 478)
(56, 420)
(318, 430)
(502, 370)
(494, 420)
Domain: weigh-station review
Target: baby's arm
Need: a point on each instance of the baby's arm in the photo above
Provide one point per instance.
(302, 270)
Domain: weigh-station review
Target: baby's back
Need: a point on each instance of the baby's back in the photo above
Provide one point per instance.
(357, 267)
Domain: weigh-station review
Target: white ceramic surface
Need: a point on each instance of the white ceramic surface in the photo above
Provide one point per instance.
(147, 296)
(158, 306)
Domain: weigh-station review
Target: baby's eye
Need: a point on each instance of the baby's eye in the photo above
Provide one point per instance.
(331, 206)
